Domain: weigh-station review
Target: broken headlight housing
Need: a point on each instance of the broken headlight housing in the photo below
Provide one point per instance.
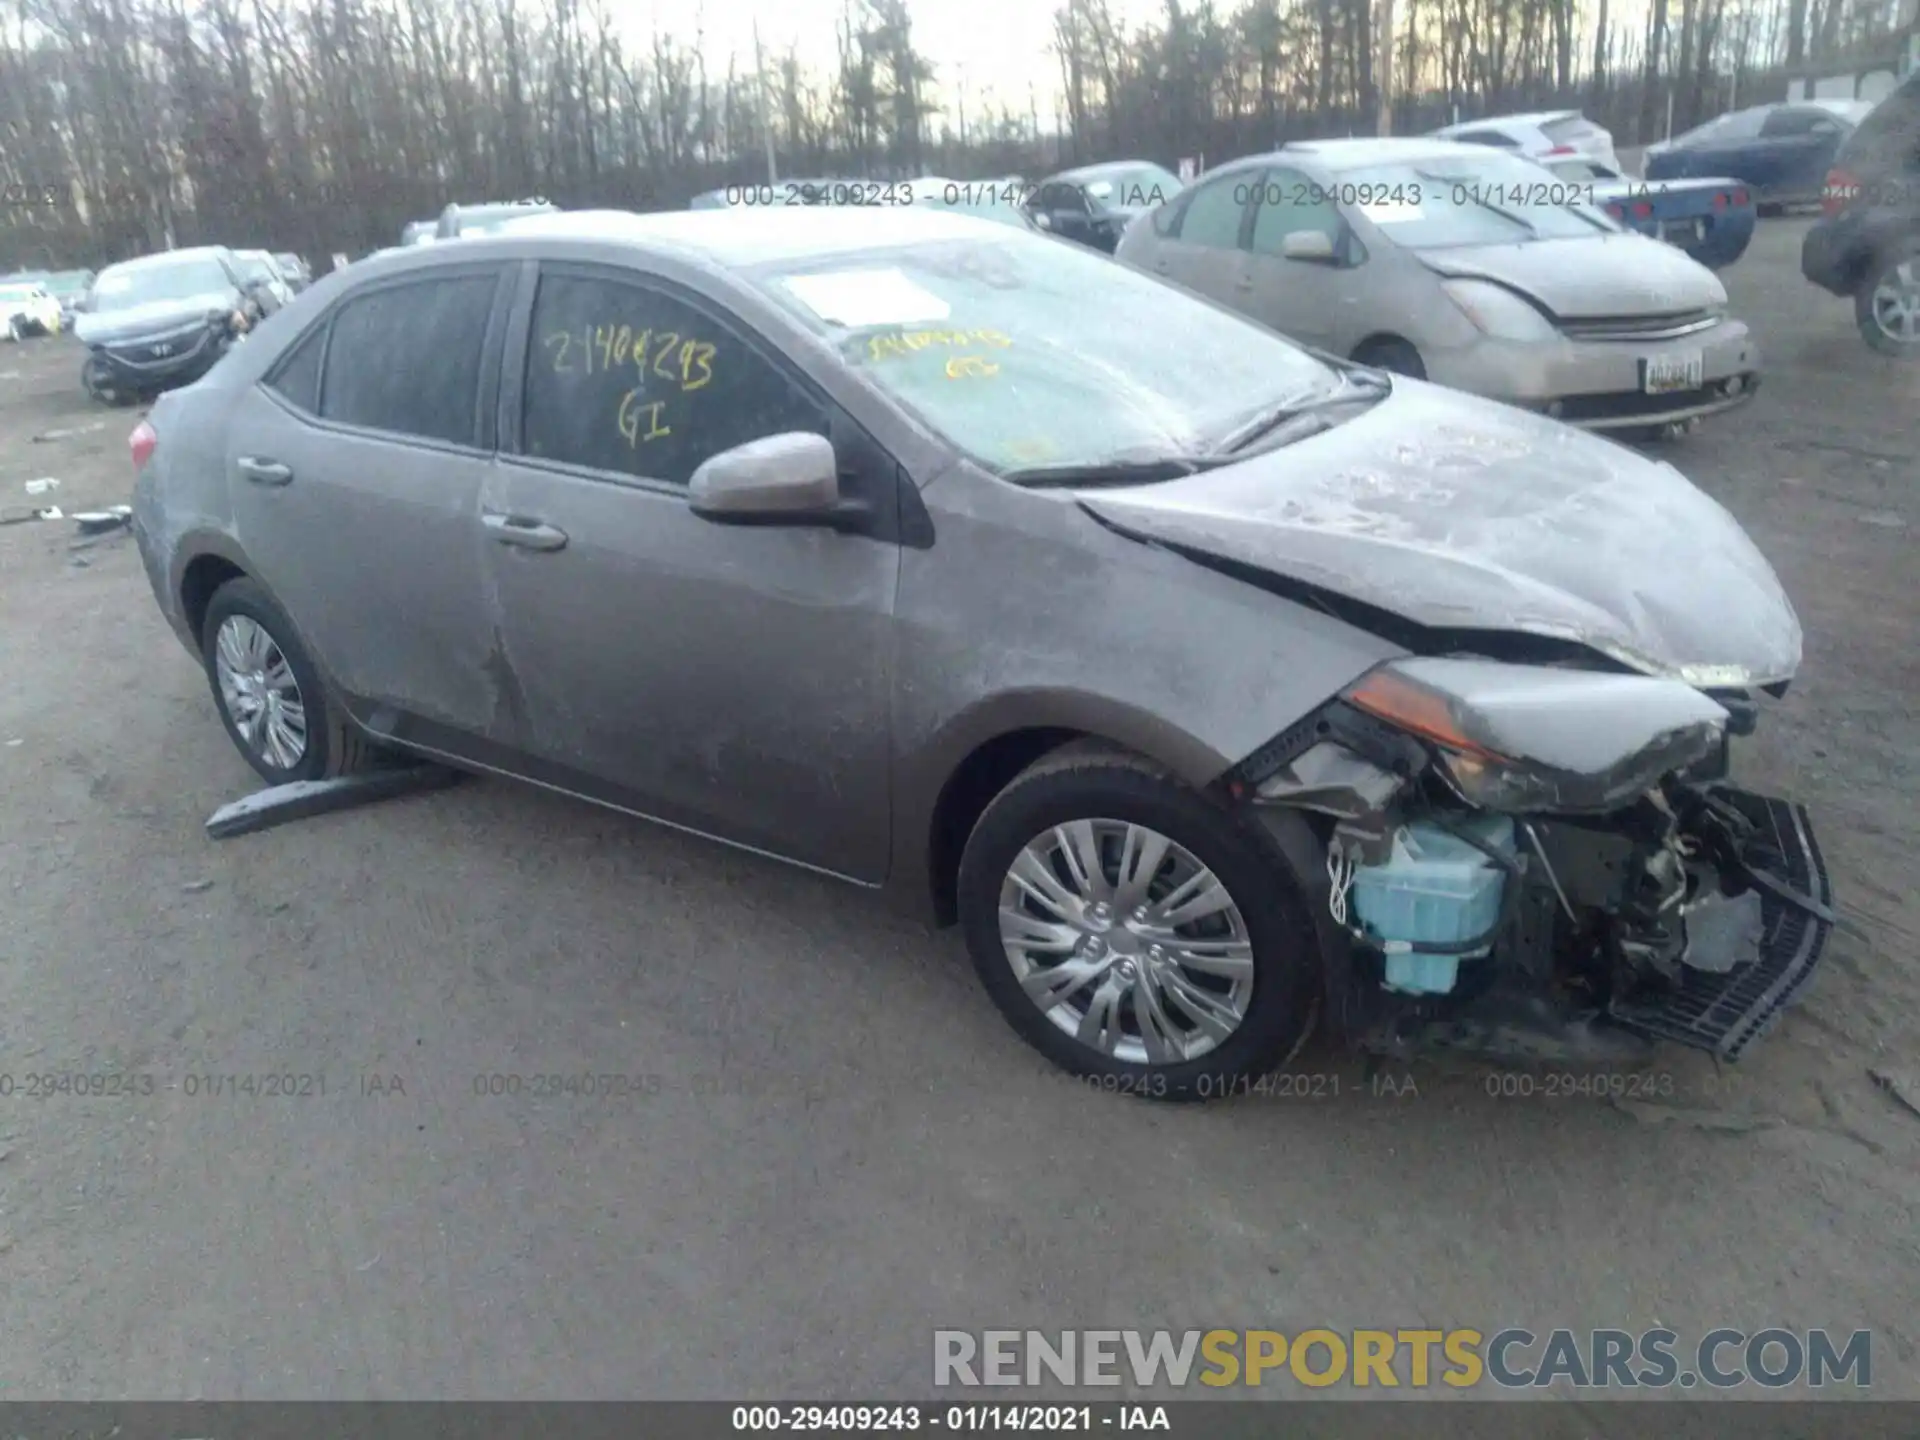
(1529, 738)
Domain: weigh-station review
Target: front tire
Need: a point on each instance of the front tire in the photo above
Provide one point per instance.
(1397, 357)
(1887, 306)
(269, 693)
(1135, 932)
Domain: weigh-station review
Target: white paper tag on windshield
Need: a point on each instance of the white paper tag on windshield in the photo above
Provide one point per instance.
(868, 297)
(1386, 212)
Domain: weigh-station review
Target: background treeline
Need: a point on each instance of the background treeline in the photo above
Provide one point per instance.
(325, 125)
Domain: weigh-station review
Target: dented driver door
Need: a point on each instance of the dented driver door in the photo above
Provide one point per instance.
(732, 680)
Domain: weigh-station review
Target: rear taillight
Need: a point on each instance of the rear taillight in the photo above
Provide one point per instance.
(1842, 187)
(1740, 198)
(1560, 150)
(1616, 212)
(1642, 210)
(141, 443)
(1720, 201)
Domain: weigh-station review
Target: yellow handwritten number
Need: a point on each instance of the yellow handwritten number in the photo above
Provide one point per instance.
(962, 366)
(632, 411)
(559, 356)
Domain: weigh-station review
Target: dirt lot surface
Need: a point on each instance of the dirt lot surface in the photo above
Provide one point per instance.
(844, 1147)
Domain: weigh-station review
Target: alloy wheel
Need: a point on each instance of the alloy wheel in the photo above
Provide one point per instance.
(1126, 941)
(1896, 303)
(260, 693)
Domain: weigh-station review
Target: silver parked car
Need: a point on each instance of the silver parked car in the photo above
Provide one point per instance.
(1463, 265)
(1212, 686)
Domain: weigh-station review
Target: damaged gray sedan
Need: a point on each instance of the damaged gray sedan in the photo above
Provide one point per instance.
(1213, 687)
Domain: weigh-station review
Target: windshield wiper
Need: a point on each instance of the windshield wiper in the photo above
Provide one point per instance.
(1112, 472)
(1469, 186)
(1355, 385)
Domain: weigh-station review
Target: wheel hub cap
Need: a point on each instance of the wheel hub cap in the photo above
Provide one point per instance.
(1896, 303)
(258, 689)
(1126, 941)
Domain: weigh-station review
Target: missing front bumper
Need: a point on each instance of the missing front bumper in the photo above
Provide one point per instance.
(1724, 1014)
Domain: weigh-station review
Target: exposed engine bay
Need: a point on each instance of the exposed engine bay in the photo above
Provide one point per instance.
(1535, 864)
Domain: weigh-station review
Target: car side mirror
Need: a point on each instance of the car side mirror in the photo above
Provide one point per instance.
(1043, 220)
(787, 479)
(1313, 246)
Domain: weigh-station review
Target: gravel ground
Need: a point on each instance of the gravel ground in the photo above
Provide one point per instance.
(844, 1147)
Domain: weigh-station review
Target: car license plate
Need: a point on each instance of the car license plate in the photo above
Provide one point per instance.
(1683, 232)
(1665, 374)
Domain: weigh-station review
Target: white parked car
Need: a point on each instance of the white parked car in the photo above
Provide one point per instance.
(28, 309)
(1547, 135)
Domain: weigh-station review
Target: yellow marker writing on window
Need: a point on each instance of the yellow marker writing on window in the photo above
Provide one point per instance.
(962, 367)
(640, 419)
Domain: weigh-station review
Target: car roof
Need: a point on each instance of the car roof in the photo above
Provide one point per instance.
(1104, 169)
(170, 257)
(747, 235)
(1535, 117)
(1361, 151)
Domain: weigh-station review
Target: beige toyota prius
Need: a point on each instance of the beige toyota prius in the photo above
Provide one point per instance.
(1461, 265)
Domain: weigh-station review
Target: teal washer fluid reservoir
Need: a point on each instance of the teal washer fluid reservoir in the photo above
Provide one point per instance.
(1436, 889)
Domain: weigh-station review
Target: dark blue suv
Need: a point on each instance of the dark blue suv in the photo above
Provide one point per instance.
(1866, 244)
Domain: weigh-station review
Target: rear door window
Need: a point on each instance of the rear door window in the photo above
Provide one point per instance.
(407, 358)
(1791, 120)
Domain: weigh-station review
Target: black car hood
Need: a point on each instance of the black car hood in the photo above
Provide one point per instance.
(159, 317)
(1461, 514)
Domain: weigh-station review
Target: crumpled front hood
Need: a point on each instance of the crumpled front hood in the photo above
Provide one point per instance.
(158, 317)
(1597, 277)
(1461, 514)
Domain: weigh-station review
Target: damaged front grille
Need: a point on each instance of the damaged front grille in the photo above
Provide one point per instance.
(1673, 325)
(1724, 1014)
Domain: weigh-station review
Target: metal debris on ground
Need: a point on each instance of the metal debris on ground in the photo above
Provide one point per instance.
(195, 887)
(100, 522)
(42, 485)
(1904, 1088)
(20, 514)
(301, 799)
(69, 433)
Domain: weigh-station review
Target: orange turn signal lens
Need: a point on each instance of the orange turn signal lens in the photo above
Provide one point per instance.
(1414, 708)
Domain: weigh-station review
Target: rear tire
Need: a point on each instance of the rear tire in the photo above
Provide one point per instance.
(1394, 356)
(272, 701)
(1171, 1007)
(1886, 307)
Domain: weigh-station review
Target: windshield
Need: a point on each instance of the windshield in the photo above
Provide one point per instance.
(69, 282)
(19, 292)
(121, 288)
(962, 201)
(1024, 352)
(1134, 187)
(1483, 198)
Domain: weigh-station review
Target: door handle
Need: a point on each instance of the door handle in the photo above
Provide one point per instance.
(527, 534)
(263, 472)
